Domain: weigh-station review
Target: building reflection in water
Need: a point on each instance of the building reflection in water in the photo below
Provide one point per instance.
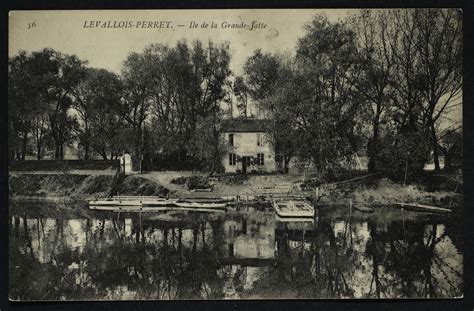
(195, 256)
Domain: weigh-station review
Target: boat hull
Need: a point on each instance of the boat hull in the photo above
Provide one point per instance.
(423, 208)
(364, 209)
(293, 209)
(152, 209)
(113, 203)
(148, 204)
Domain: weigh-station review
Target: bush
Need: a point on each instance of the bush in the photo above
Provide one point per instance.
(406, 151)
(234, 179)
(179, 181)
(197, 182)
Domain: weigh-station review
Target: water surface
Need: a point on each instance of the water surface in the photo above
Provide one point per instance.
(95, 256)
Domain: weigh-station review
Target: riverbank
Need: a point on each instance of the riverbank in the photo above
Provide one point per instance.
(384, 191)
(78, 189)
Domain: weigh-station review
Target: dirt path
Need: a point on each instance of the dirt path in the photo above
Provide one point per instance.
(250, 187)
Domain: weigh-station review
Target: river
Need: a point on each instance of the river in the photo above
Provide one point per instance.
(104, 256)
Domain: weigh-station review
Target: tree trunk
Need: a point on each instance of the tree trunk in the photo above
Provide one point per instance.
(216, 159)
(287, 164)
(86, 151)
(434, 143)
(38, 150)
(448, 161)
(24, 145)
(56, 151)
(373, 149)
(104, 154)
(61, 151)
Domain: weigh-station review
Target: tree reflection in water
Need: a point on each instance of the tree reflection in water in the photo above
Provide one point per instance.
(195, 256)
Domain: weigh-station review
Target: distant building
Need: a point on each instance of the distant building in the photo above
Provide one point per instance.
(248, 145)
(125, 164)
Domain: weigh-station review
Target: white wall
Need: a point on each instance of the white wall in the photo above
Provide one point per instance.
(245, 144)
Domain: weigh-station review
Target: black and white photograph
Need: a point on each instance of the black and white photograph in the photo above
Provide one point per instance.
(243, 154)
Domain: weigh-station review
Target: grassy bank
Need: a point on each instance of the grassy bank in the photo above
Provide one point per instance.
(79, 187)
(385, 192)
(57, 185)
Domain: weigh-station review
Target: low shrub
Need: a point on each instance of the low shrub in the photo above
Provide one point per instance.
(197, 182)
(135, 185)
(237, 179)
(179, 181)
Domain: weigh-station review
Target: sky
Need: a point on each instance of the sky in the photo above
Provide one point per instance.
(73, 32)
(70, 32)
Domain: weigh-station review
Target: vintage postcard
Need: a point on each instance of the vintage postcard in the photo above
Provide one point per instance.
(235, 154)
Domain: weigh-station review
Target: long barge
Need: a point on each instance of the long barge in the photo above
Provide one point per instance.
(152, 204)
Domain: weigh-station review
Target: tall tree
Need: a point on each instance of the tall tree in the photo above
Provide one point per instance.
(40, 83)
(241, 91)
(438, 43)
(325, 110)
(21, 97)
(29, 78)
(261, 74)
(267, 78)
(40, 132)
(375, 84)
(136, 79)
(69, 72)
(178, 88)
(98, 102)
(425, 46)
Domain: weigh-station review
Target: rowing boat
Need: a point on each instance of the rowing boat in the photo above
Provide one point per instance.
(423, 208)
(364, 209)
(291, 208)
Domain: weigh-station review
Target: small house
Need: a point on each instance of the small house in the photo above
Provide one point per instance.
(248, 145)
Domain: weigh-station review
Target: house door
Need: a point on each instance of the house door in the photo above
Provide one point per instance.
(245, 164)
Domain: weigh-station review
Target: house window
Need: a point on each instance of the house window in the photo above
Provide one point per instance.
(259, 139)
(231, 139)
(232, 159)
(260, 159)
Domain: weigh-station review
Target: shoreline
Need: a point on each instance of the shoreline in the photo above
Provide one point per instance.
(77, 190)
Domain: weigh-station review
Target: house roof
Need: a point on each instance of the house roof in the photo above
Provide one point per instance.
(244, 125)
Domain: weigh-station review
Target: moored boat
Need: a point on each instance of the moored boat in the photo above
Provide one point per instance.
(364, 209)
(151, 209)
(112, 203)
(291, 208)
(423, 208)
(152, 204)
(292, 220)
(191, 204)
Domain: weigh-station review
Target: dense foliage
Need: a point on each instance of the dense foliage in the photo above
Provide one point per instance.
(382, 81)
(164, 107)
(379, 81)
